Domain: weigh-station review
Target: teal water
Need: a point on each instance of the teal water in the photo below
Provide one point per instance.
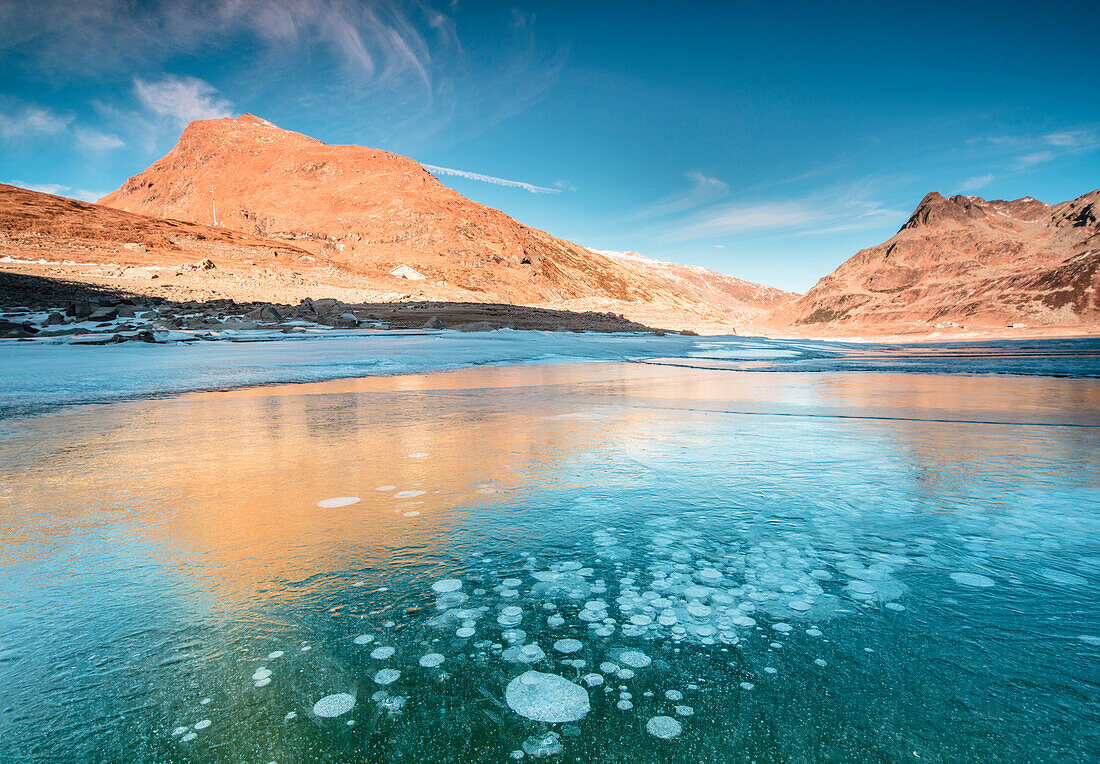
(841, 566)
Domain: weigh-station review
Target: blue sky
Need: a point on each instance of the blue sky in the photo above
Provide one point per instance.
(768, 143)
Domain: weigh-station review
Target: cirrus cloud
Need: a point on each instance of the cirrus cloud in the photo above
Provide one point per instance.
(530, 187)
(181, 99)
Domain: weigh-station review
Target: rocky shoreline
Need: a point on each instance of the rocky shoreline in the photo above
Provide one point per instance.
(38, 308)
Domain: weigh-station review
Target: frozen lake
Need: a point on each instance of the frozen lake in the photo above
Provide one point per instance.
(653, 553)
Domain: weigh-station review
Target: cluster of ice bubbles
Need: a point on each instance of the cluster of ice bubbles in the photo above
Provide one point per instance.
(575, 632)
(679, 589)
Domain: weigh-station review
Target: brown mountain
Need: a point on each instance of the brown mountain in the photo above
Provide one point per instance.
(965, 261)
(54, 229)
(370, 211)
(746, 301)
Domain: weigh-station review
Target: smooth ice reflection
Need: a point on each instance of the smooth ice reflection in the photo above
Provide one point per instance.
(673, 563)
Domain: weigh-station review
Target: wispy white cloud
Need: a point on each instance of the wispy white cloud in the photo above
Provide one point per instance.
(30, 120)
(978, 181)
(399, 60)
(1016, 153)
(373, 40)
(58, 189)
(490, 179)
(1080, 138)
(518, 19)
(704, 190)
(841, 209)
(1034, 158)
(564, 185)
(181, 99)
(94, 140)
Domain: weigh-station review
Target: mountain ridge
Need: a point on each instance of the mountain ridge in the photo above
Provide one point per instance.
(965, 261)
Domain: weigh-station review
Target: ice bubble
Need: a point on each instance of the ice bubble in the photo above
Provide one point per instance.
(464, 632)
(291, 716)
(813, 632)
(201, 725)
(640, 619)
(431, 660)
(697, 610)
(625, 673)
(338, 501)
(261, 673)
(387, 676)
(1062, 577)
(800, 605)
(684, 710)
(392, 703)
(263, 682)
(608, 667)
(364, 639)
(385, 488)
(1089, 639)
(770, 670)
(334, 705)
(546, 698)
(447, 585)
(206, 701)
(188, 737)
(546, 744)
(820, 662)
(178, 731)
(418, 455)
(555, 621)
(510, 616)
(782, 628)
(674, 695)
(861, 587)
(531, 653)
(511, 583)
(972, 579)
(896, 606)
(593, 680)
(408, 494)
(821, 575)
(382, 653)
(635, 659)
(624, 705)
(411, 514)
(568, 645)
(747, 685)
(664, 727)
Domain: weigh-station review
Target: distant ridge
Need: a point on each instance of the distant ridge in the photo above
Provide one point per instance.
(965, 261)
(745, 299)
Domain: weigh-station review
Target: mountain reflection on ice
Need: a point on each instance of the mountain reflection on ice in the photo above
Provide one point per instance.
(586, 562)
